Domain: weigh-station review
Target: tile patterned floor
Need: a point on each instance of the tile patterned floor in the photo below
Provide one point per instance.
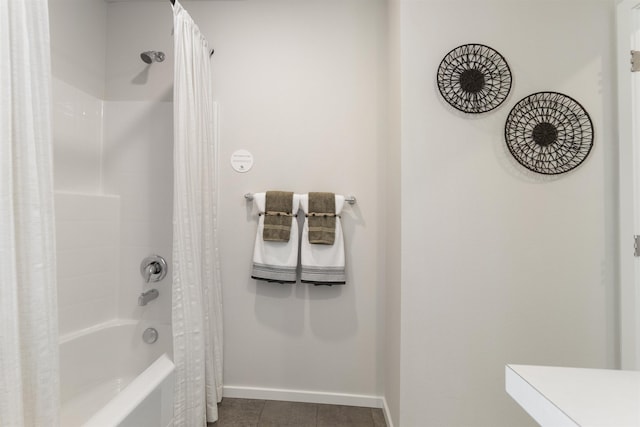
(271, 413)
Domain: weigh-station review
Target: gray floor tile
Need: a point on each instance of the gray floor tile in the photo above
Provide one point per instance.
(239, 413)
(280, 414)
(270, 413)
(344, 416)
(378, 417)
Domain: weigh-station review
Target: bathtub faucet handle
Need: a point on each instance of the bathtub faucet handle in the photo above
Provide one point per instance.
(153, 268)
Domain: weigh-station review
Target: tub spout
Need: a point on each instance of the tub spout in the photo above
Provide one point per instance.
(150, 295)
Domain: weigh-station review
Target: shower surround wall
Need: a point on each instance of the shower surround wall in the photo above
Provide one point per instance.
(138, 165)
(112, 175)
(87, 221)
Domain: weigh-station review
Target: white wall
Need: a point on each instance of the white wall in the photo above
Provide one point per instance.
(135, 27)
(78, 39)
(301, 85)
(500, 265)
(393, 231)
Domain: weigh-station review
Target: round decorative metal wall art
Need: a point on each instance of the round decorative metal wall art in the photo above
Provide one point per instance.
(474, 78)
(549, 133)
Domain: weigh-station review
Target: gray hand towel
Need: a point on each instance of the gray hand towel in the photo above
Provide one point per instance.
(322, 218)
(278, 216)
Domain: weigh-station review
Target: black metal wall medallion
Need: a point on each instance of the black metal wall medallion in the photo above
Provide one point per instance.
(549, 133)
(474, 78)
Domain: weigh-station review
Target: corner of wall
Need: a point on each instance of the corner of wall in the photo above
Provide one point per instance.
(393, 227)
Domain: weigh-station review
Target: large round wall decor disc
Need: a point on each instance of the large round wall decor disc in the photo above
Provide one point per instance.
(549, 133)
(474, 78)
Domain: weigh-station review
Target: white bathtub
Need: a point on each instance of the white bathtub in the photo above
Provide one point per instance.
(110, 377)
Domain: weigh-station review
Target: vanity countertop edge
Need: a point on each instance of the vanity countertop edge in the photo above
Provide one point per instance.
(558, 396)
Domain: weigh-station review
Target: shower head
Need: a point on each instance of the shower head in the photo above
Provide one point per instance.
(152, 56)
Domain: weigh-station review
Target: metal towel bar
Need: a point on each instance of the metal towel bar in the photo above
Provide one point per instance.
(349, 199)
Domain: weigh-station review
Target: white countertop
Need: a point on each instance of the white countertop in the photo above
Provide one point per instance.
(558, 397)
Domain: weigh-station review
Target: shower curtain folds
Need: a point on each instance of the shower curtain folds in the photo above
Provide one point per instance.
(29, 371)
(196, 295)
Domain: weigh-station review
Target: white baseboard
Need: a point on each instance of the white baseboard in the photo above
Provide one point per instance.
(303, 396)
(387, 413)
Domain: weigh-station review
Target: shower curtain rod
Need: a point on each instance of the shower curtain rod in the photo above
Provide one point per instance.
(173, 2)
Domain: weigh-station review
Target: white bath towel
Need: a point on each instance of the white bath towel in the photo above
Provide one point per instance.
(322, 264)
(275, 261)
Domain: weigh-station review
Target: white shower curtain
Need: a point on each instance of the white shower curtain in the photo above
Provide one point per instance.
(197, 302)
(29, 385)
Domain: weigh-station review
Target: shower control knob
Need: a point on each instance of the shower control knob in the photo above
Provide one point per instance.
(153, 268)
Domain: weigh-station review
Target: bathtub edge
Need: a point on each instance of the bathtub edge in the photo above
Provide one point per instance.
(120, 407)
